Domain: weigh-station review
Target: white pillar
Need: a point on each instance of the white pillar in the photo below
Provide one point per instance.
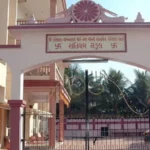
(17, 85)
(4, 18)
(13, 10)
(17, 104)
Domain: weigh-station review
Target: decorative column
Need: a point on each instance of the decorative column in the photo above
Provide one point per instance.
(17, 104)
(17, 85)
(16, 124)
(27, 118)
(61, 121)
(4, 14)
(13, 11)
(52, 8)
(52, 123)
(52, 108)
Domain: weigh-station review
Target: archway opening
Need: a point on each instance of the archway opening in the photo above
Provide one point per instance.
(104, 120)
(132, 78)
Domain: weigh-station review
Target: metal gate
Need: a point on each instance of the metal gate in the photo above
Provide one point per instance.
(105, 130)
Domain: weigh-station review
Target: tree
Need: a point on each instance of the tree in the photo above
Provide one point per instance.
(139, 92)
(110, 93)
(74, 83)
(114, 83)
(105, 91)
(71, 74)
(142, 85)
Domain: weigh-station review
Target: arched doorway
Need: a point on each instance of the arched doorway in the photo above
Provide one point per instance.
(106, 129)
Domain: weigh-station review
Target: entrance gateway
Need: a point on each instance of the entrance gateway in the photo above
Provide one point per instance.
(83, 30)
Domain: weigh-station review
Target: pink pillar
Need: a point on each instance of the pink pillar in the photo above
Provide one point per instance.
(122, 123)
(15, 123)
(61, 121)
(52, 8)
(52, 123)
(52, 106)
(94, 124)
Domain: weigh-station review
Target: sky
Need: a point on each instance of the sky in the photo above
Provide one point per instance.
(127, 8)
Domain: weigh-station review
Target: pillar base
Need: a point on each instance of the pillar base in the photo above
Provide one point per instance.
(16, 124)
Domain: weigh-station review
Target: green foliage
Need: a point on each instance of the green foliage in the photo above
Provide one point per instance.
(109, 93)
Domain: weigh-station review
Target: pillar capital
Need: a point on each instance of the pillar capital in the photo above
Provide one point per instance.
(17, 103)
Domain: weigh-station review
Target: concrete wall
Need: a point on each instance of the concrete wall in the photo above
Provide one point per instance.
(76, 127)
(21, 14)
(135, 35)
(8, 17)
(137, 54)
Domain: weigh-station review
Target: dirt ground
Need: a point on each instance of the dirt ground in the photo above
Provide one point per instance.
(106, 144)
(132, 143)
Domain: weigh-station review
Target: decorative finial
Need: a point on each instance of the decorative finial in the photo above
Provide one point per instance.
(139, 18)
(32, 20)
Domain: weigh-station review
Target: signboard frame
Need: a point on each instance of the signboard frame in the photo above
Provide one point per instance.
(88, 51)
